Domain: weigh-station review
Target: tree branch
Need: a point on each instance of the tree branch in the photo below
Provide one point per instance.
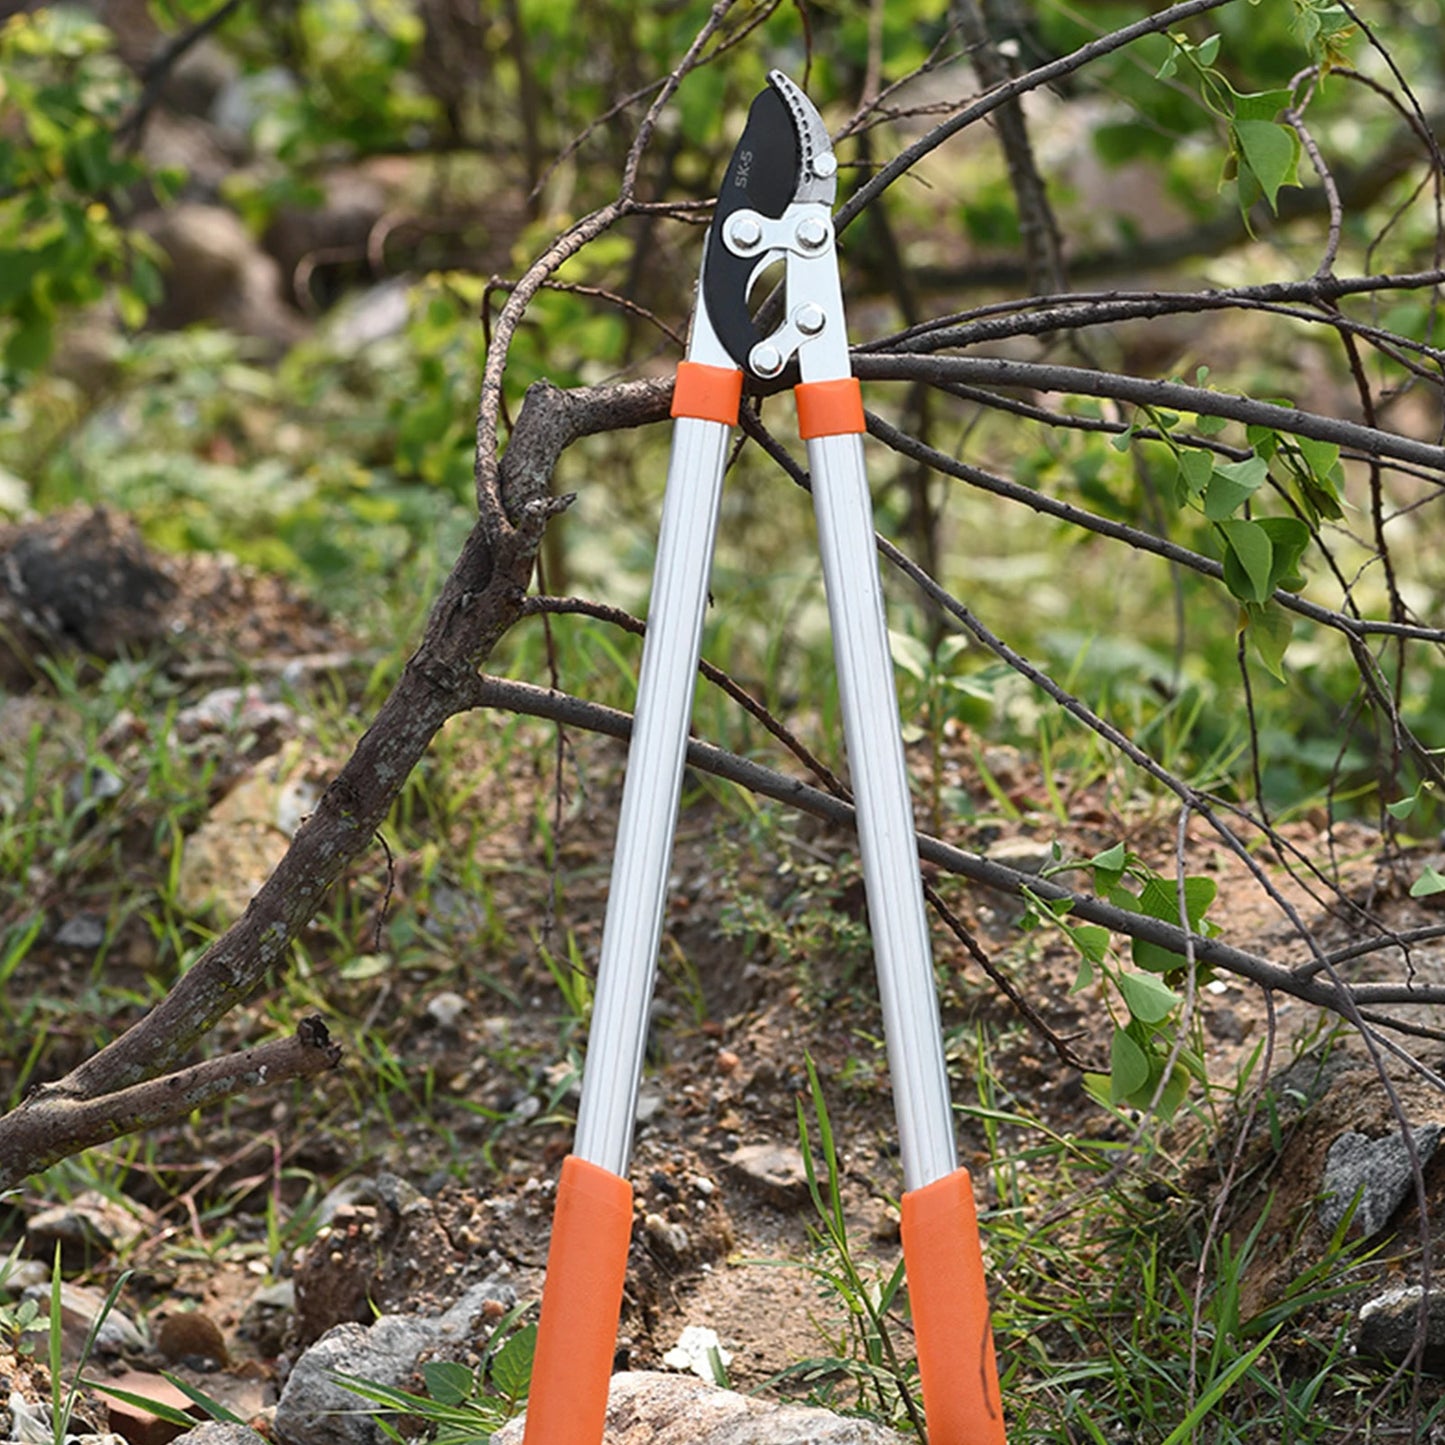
(1081, 381)
(53, 1122)
(521, 697)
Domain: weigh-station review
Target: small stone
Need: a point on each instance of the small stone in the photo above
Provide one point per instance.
(315, 1409)
(446, 1008)
(888, 1226)
(192, 1338)
(1378, 1170)
(648, 1407)
(1387, 1324)
(650, 1100)
(221, 1432)
(87, 1229)
(727, 1061)
(775, 1172)
(1023, 855)
(81, 1311)
(670, 1236)
(82, 931)
(694, 1352)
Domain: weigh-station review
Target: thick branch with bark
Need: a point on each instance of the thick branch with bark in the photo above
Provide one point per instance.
(53, 1123)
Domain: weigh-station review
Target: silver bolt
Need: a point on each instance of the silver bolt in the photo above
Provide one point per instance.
(810, 318)
(766, 359)
(825, 165)
(744, 231)
(812, 234)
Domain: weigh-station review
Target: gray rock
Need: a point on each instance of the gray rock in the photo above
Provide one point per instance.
(315, 1410)
(775, 1172)
(88, 1228)
(1024, 855)
(649, 1408)
(83, 931)
(83, 1310)
(1387, 1325)
(219, 1432)
(1378, 1170)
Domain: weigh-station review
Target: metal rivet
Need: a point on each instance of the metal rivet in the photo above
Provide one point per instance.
(825, 165)
(812, 233)
(766, 359)
(810, 319)
(744, 231)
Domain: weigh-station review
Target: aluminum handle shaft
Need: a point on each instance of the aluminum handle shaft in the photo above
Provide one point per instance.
(632, 928)
(885, 815)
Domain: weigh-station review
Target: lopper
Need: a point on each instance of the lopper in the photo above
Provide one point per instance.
(776, 204)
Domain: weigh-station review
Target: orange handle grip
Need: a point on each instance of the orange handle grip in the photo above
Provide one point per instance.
(581, 1303)
(949, 1298)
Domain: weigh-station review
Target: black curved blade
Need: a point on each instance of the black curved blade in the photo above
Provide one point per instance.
(762, 176)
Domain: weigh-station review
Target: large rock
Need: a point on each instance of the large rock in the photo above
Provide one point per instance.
(315, 1410)
(650, 1408)
(216, 272)
(80, 580)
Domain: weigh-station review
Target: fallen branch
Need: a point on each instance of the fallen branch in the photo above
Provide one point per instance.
(53, 1123)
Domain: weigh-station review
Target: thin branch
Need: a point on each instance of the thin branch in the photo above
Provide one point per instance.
(521, 697)
(1080, 381)
(1134, 537)
(1041, 75)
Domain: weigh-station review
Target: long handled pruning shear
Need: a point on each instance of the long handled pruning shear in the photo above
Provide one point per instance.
(776, 204)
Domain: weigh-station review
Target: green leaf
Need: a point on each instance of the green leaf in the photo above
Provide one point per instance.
(512, 1364)
(1128, 1067)
(1231, 484)
(1084, 977)
(1270, 630)
(1173, 1094)
(1288, 537)
(1111, 860)
(1091, 940)
(28, 347)
(1208, 426)
(1271, 152)
(911, 654)
(1402, 808)
(1323, 457)
(1248, 559)
(1428, 883)
(447, 1381)
(1149, 999)
(1259, 105)
(1195, 470)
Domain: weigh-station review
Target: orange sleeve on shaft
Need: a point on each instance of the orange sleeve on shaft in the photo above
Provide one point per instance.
(829, 408)
(709, 393)
(581, 1302)
(949, 1298)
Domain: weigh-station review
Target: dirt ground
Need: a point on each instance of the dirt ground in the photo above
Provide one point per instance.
(428, 1160)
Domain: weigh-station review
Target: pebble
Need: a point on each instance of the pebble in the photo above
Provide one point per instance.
(85, 931)
(775, 1172)
(671, 1236)
(446, 1008)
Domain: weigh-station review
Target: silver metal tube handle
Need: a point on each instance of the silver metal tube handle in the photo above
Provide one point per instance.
(871, 728)
(632, 927)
